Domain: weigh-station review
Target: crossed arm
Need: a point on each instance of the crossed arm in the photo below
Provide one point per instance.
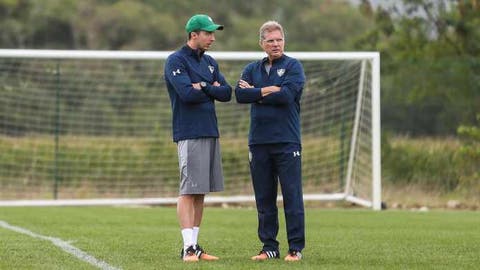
(193, 93)
(220, 91)
(274, 95)
(264, 90)
(287, 92)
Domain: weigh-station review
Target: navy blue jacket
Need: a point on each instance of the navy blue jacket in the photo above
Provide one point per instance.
(193, 110)
(275, 118)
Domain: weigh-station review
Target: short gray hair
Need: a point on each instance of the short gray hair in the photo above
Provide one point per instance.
(269, 27)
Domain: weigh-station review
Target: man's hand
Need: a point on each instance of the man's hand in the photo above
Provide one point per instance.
(197, 86)
(269, 90)
(243, 84)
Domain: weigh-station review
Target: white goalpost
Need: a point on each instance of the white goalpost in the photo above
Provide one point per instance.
(94, 128)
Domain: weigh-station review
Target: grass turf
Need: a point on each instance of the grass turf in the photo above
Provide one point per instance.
(149, 238)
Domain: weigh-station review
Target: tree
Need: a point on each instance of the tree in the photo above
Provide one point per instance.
(430, 63)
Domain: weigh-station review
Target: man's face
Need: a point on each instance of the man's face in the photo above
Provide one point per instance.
(273, 44)
(204, 39)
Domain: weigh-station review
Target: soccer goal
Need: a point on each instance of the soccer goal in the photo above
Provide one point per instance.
(94, 127)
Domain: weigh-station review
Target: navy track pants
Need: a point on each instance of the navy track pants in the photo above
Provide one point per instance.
(270, 164)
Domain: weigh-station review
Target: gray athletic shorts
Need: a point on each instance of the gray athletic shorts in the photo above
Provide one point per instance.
(200, 165)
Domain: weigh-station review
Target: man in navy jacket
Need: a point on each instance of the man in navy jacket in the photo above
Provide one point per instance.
(274, 87)
(194, 82)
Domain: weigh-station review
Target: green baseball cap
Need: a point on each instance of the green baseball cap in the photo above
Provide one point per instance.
(202, 22)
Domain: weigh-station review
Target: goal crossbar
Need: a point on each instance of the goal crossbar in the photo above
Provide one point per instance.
(157, 55)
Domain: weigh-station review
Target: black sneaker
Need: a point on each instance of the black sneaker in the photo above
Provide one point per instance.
(201, 254)
(189, 255)
(266, 255)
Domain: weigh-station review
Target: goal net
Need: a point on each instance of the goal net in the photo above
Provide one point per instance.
(94, 127)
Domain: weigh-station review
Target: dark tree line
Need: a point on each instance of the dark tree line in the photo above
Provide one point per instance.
(430, 50)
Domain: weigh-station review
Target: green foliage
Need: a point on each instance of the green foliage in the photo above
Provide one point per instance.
(471, 137)
(430, 49)
(430, 164)
(440, 165)
(430, 64)
(159, 25)
(469, 154)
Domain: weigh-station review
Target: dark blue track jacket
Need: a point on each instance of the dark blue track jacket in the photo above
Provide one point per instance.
(193, 110)
(275, 118)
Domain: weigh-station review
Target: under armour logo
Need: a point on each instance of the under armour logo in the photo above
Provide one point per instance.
(296, 154)
(175, 72)
(211, 68)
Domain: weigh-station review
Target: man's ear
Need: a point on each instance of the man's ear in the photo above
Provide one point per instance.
(195, 34)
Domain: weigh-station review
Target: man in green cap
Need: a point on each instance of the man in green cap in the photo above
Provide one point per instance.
(194, 82)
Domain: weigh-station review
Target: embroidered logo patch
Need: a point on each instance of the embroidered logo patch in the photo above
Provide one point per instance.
(175, 72)
(280, 72)
(211, 69)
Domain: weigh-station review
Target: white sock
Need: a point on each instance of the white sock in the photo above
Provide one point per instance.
(187, 237)
(195, 235)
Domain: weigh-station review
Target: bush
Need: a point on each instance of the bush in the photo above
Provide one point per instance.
(431, 163)
(469, 155)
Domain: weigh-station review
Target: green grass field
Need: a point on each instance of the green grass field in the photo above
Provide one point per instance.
(149, 238)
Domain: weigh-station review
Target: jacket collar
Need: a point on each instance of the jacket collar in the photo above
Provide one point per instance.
(197, 54)
(265, 59)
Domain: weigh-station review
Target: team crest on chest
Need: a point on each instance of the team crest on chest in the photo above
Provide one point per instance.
(280, 72)
(211, 68)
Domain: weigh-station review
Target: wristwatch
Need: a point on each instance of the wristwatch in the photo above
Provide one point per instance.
(203, 84)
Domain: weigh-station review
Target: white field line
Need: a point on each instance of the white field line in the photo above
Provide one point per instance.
(65, 246)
